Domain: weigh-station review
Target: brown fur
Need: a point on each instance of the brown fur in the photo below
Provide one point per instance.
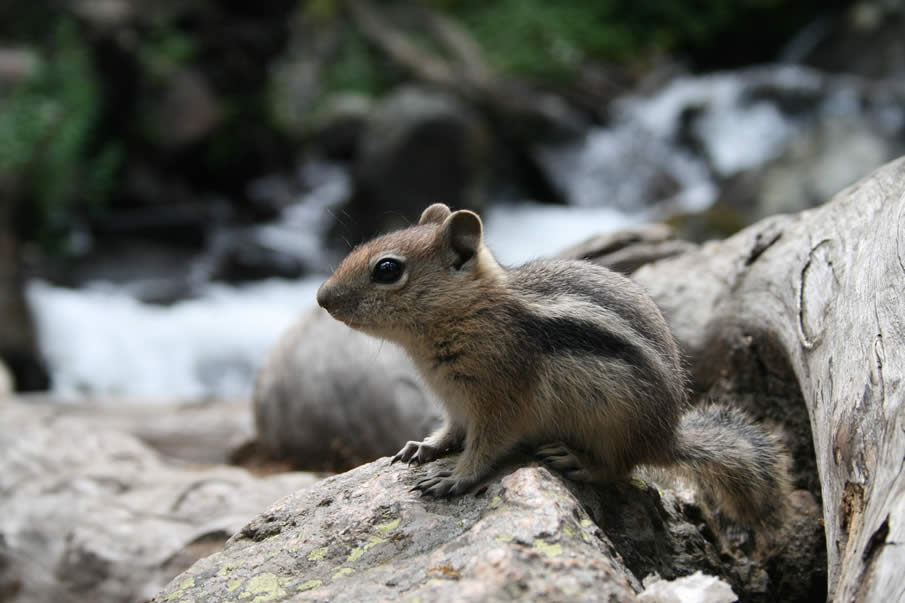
(568, 357)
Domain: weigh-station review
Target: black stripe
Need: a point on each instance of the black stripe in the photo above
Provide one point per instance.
(556, 285)
(570, 335)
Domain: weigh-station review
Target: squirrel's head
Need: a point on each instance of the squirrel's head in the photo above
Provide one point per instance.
(391, 285)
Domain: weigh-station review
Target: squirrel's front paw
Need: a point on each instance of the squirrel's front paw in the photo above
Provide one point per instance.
(443, 484)
(416, 452)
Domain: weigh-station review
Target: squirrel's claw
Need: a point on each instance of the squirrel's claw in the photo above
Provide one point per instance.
(415, 452)
(408, 451)
(442, 485)
(426, 483)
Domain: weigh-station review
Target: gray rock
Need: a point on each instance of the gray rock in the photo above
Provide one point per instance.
(706, 588)
(418, 145)
(525, 535)
(93, 514)
(364, 537)
(208, 432)
(816, 163)
(821, 162)
(331, 398)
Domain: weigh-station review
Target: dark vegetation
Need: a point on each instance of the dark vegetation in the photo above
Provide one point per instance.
(88, 128)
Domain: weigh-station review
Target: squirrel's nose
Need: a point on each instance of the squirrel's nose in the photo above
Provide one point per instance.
(326, 296)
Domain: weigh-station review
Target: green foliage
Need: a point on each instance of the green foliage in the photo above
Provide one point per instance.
(548, 39)
(551, 39)
(540, 38)
(46, 128)
(166, 49)
(322, 9)
(356, 68)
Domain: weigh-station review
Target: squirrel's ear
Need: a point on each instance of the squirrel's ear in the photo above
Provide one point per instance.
(463, 231)
(434, 214)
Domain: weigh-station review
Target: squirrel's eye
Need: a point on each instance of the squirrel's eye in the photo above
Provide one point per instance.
(387, 271)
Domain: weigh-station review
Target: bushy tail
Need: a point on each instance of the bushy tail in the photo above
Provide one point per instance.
(742, 465)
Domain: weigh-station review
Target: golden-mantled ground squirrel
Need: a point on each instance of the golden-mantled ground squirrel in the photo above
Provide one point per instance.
(565, 356)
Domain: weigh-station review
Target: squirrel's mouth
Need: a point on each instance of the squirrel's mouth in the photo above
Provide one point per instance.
(352, 324)
(336, 314)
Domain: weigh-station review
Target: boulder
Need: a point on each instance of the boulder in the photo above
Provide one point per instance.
(331, 398)
(525, 535)
(94, 514)
(816, 163)
(418, 144)
(209, 432)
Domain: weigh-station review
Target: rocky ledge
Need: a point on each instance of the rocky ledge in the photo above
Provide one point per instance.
(526, 534)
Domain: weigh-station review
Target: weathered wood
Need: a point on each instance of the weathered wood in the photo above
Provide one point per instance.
(627, 250)
(826, 290)
(527, 113)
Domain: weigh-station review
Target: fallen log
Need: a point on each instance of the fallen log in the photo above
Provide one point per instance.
(820, 293)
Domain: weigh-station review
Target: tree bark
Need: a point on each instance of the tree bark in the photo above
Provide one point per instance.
(825, 291)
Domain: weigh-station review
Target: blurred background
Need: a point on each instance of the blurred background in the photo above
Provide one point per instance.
(177, 177)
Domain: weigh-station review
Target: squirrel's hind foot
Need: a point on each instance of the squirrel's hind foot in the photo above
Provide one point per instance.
(561, 458)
